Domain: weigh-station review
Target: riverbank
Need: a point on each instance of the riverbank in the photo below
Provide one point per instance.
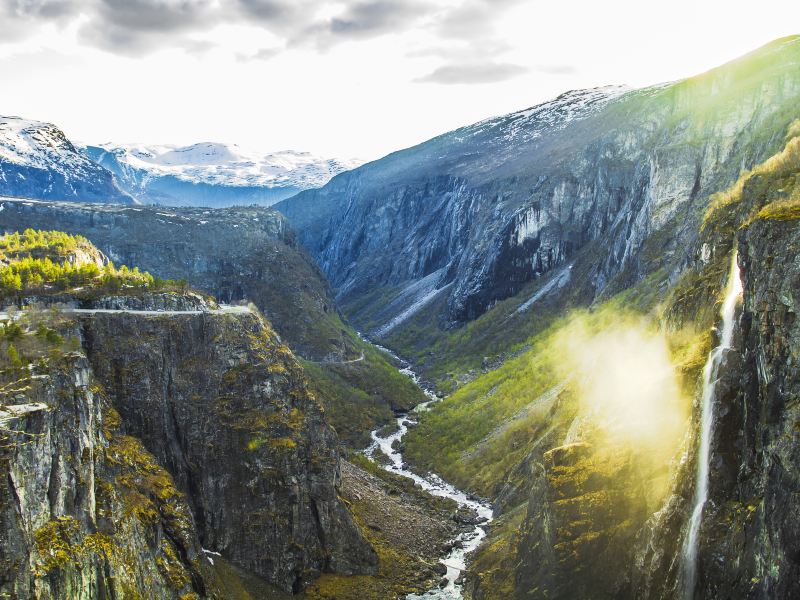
(408, 528)
(387, 450)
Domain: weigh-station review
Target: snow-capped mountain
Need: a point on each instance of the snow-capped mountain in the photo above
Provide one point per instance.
(38, 161)
(213, 174)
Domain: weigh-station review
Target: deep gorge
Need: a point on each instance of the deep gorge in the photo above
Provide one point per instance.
(595, 303)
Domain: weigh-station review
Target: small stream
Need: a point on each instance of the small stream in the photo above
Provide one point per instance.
(456, 559)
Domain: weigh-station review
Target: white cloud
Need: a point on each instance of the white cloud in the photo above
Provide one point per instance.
(473, 73)
(339, 78)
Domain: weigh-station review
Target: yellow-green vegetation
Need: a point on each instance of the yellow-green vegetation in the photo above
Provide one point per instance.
(149, 495)
(479, 436)
(403, 565)
(38, 274)
(33, 242)
(361, 394)
(773, 187)
(444, 356)
(35, 336)
(785, 209)
(493, 562)
(60, 543)
(237, 584)
(770, 191)
(395, 568)
(53, 261)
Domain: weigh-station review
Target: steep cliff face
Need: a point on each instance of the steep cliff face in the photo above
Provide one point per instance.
(578, 521)
(223, 406)
(467, 219)
(153, 437)
(87, 512)
(748, 536)
(582, 518)
(231, 254)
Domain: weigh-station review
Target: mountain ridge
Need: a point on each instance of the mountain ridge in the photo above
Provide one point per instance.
(490, 222)
(38, 161)
(212, 174)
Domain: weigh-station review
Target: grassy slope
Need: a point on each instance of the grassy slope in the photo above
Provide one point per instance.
(359, 396)
(479, 435)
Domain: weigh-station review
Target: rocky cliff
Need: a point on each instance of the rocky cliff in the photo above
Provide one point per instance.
(86, 511)
(465, 220)
(150, 437)
(232, 254)
(747, 543)
(576, 521)
(591, 526)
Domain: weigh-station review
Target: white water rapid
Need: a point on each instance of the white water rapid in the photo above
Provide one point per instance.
(456, 559)
(710, 372)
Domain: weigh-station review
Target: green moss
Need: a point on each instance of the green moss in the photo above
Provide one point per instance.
(781, 210)
(282, 443)
(60, 543)
(492, 566)
(396, 571)
(171, 567)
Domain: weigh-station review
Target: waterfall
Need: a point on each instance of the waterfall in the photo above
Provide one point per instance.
(710, 371)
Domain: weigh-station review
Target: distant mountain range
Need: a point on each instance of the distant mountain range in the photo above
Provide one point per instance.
(213, 174)
(38, 161)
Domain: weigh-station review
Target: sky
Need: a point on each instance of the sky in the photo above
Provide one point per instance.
(347, 79)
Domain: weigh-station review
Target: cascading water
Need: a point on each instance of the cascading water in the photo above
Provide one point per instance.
(456, 559)
(710, 372)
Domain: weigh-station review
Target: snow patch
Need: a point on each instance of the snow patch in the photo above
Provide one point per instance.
(37, 145)
(412, 299)
(230, 165)
(557, 282)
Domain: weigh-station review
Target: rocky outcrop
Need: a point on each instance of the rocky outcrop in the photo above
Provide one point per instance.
(236, 254)
(86, 512)
(490, 207)
(748, 539)
(223, 406)
(408, 528)
(161, 435)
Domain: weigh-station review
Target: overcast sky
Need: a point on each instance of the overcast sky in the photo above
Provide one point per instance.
(354, 78)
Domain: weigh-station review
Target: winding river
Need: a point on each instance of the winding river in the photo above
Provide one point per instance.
(464, 543)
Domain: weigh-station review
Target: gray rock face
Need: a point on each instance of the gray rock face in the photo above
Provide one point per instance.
(66, 524)
(168, 434)
(497, 204)
(748, 536)
(223, 406)
(748, 544)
